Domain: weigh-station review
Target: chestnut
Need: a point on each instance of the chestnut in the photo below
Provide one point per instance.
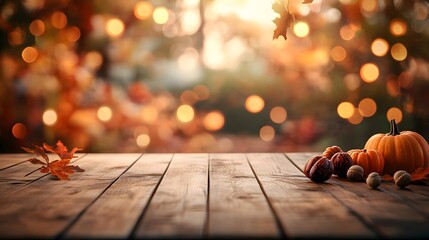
(318, 168)
(342, 161)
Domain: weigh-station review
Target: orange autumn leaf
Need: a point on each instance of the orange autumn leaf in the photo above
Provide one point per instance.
(284, 21)
(60, 168)
(418, 175)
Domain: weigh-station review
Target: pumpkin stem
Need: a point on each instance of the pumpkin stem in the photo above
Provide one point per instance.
(393, 128)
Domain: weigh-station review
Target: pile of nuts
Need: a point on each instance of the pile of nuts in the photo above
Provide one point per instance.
(334, 161)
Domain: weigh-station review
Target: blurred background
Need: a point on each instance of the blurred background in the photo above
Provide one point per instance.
(207, 75)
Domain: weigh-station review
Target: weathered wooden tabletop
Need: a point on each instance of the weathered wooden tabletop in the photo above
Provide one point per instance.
(200, 195)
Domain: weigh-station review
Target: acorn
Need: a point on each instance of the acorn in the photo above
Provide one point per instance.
(373, 180)
(355, 173)
(402, 178)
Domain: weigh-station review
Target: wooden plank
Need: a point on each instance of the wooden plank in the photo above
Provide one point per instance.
(14, 176)
(114, 214)
(391, 216)
(304, 208)
(8, 159)
(237, 205)
(46, 207)
(178, 207)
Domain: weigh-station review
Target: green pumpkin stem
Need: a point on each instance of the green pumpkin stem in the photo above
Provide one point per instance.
(393, 128)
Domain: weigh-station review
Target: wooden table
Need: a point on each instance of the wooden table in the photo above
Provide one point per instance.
(202, 195)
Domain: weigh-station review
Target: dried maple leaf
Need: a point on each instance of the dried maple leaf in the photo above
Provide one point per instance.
(59, 168)
(284, 21)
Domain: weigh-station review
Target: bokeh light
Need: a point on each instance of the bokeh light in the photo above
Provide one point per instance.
(267, 133)
(345, 109)
(369, 72)
(185, 113)
(50, 117)
(59, 20)
(347, 32)
(398, 27)
(254, 104)
(278, 114)
(379, 47)
(16, 37)
(115, 27)
(367, 107)
(214, 121)
(19, 130)
(338, 53)
(37, 27)
(398, 52)
(29, 54)
(143, 10)
(160, 15)
(104, 113)
(394, 113)
(301, 29)
(143, 140)
(356, 117)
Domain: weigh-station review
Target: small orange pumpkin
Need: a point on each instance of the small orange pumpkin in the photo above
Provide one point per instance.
(369, 159)
(406, 150)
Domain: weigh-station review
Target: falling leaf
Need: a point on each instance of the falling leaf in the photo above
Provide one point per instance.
(59, 168)
(284, 21)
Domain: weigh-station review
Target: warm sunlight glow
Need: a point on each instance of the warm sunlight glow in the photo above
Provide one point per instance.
(369, 72)
(185, 113)
(50, 117)
(254, 104)
(379, 47)
(394, 113)
(214, 121)
(345, 109)
(115, 27)
(104, 113)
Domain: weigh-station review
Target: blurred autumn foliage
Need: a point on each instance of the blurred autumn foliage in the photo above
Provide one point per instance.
(207, 76)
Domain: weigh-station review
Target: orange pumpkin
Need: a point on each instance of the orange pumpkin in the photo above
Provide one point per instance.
(369, 159)
(406, 150)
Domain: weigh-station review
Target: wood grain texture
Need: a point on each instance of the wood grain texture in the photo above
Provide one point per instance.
(303, 207)
(178, 208)
(44, 208)
(121, 205)
(14, 176)
(237, 205)
(383, 209)
(8, 160)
